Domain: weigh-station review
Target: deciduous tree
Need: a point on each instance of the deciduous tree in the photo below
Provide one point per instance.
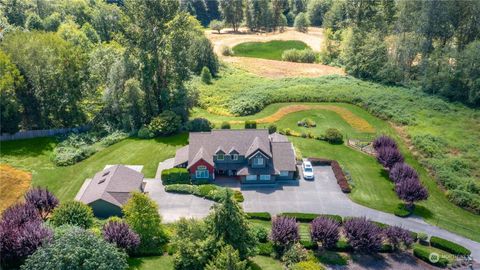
(325, 231)
(363, 235)
(43, 200)
(120, 234)
(411, 190)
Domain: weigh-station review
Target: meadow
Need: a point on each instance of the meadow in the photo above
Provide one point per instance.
(271, 50)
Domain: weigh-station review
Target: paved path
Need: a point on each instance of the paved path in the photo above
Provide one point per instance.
(321, 196)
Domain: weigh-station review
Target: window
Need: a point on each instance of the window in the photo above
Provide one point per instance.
(234, 157)
(201, 172)
(283, 173)
(252, 177)
(220, 157)
(202, 167)
(265, 177)
(258, 161)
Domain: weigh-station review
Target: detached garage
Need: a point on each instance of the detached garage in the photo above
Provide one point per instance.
(110, 189)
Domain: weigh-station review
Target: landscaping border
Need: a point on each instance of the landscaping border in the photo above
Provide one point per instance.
(337, 171)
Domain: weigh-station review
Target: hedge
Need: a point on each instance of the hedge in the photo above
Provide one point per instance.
(175, 176)
(308, 244)
(337, 171)
(448, 246)
(209, 192)
(401, 211)
(424, 255)
(309, 217)
(260, 216)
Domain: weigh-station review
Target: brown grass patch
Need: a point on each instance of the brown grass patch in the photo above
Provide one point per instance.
(13, 184)
(353, 120)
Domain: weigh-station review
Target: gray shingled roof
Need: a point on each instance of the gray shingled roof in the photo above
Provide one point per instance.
(204, 145)
(113, 185)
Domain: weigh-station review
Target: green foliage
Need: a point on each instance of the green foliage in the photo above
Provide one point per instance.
(402, 211)
(206, 75)
(11, 84)
(316, 10)
(300, 56)
(145, 133)
(333, 135)
(448, 246)
(227, 222)
(76, 248)
(294, 254)
(34, 22)
(225, 125)
(301, 23)
(232, 12)
(141, 214)
(165, 124)
(265, 249)
(199, 124)
(465, 199)
(175, 176)
(260, 232)
(343, 246)
(250, 124)
(307, 217)
(65, 155)
(272, 50)
(227, 258)
(307, 265)
(207, 191)
(226, 51)
(202, 55)
(259, 215)
(73, 213)
(272, 128)
(216, 25)
(182, 188)
(424, 255)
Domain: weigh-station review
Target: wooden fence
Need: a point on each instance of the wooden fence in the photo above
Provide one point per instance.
(28, 134)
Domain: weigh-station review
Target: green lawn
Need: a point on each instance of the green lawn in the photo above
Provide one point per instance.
(266, 263)
(34, 155)
(267, 50)
(164, 262)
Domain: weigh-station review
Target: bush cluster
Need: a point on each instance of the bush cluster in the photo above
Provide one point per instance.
(250, 124)
(299, 56)
(259, 215)
(424, 255)
(340, 176)
(165, 124)
(309, 217)
(208, 191)
(449, 246)
(333, 135)
(199, 124)
(175, 176)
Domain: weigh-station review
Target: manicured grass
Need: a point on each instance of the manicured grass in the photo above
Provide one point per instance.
(265, 263)
(267, 50)
(304, 228)
(164, 262)
(33, 155)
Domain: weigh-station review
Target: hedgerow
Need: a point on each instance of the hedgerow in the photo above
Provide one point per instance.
(424, 255)
(175, 176)
(449, 246)
(209, 191)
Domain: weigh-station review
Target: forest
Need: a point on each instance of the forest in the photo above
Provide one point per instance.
(121, 63)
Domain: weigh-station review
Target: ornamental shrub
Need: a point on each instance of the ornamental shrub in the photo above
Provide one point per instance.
(227, 258)
(410, 191)
(284, 232)
(299, 56)
(145, 133)
(199, 124)
(424, 255)
(363, 235)
(225, 125)
(401, 171)
(165, 124)
(175, 176)
(73, 213)
(449, 246)
(325, 231)
(120, 234)
(398, 237)
(294, 254)
(76, 248)
(388, 156)
(307, 265)
(259, 215)
(265, 249)
(333, 135)
(206, 76)
(260, 233)
(250, 124)
(384, 141)
(272, 128)
(42, 199)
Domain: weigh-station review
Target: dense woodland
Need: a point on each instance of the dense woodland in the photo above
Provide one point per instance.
(122, 63)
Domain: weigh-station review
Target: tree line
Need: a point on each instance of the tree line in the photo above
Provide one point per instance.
(115, 63)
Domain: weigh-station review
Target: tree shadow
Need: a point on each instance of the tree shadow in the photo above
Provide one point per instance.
(28, 147)
(135, 263)
(370, 261)
(421, 211)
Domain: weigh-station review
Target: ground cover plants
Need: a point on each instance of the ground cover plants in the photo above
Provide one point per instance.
(272, 50)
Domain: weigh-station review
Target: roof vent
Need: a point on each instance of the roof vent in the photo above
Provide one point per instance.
(102, 180)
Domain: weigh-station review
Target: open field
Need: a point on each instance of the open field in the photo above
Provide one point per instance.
(272, 50)
(272, 68)
(33, 155)
(13, 184)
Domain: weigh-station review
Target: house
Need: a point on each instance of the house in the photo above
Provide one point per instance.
(251, 155)
(110, 189)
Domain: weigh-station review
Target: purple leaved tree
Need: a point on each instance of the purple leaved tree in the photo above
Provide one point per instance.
(325, 231)
(43, 200)
(21, 233)
(120, 234)
(397, 236)
(401, 171)
(410, 191)
(284, 231)
(384, 141)
(363, 235)
(388, 156)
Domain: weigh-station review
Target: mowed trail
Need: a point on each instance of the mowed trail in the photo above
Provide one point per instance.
(352, 119)
(272, 68)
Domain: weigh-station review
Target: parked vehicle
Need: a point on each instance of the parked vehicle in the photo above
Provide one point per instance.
(307, 170)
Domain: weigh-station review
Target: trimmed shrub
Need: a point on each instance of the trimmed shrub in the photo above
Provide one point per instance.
(424, 255)
(259, 215)
(225, 125)
(410, 191)
(325, 231)
(272, 128)
(73, 213)
(175, 176)
(206, 75)
(401, 211)
(209, 191)
(265, 249)
(309, 217)
(449, 246)
(250, 124)
(165, 123)
(333, 135)
(340, 176)
(144, 133)
(401, 171)
(363, 235)
(384, 141)
(199, 124)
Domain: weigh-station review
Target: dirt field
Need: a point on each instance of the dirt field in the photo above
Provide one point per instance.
(271, 68)
(13, 184)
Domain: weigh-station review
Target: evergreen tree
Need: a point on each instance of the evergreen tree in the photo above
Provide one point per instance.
(227, 258)
(212, 9)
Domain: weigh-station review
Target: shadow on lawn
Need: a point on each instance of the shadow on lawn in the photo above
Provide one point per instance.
(28, 147)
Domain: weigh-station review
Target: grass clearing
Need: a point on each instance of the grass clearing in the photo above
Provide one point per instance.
(13, 184)
(34, 155)
(265, 263)
(271, 50)
(164, 262)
